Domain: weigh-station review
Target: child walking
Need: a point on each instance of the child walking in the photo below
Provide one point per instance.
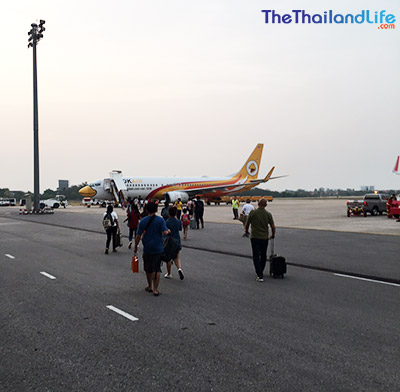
(185, 219)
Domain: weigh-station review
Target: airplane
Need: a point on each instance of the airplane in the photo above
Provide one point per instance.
(396, 166)
(171, 189)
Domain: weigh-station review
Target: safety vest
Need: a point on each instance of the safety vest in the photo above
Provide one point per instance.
(235, 204)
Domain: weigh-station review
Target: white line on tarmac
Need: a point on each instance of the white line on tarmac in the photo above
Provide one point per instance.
(368, 280)
(10, 256)
(122, 313)
(48, 275)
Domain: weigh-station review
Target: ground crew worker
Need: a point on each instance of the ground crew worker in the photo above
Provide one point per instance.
(235, 207)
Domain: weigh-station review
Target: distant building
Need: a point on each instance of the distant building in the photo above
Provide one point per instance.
(368, 188)
(63, 185)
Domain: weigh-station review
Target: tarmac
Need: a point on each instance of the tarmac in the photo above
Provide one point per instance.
(75, 319)
(316, 214)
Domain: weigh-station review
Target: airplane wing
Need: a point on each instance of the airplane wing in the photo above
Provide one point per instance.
(266, 178)
(212, 188)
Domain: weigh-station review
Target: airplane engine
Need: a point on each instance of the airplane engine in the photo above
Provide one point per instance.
(172, 197)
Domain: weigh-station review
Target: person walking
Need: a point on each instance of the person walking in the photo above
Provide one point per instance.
(178, 204)
(235, 208)
(185, 219)
(190, 207)
(247, 208)
(199, 212)
(133, 217)
(260, 219)
(164, 211)
(151, 230)
(175, 226)
(110, 223)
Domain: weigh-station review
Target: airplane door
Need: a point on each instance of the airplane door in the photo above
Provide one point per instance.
(107, 184)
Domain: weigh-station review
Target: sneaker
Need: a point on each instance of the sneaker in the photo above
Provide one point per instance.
(130, 245)
(180, 272)
(259, 279)
(106, 252)
(168, 276)
(114, 250)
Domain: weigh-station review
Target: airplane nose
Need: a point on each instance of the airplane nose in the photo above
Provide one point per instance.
(87, 191)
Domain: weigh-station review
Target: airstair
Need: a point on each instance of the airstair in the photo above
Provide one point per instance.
(118, 187)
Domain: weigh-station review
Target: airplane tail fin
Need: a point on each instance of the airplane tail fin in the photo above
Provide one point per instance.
(252, 165)
(397, 166)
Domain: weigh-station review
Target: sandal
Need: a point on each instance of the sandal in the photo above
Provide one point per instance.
(157, 294)
(149, 290)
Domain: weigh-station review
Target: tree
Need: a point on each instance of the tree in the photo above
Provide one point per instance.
(48, 194)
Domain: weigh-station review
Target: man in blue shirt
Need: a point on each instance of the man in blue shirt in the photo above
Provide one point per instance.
(151, 230)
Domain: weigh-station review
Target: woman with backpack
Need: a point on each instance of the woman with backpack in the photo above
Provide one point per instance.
(110, 224)
(185, 219)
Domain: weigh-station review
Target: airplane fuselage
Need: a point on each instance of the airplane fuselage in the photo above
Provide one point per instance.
(157, 187)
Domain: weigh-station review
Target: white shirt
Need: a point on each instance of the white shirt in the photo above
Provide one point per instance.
(114, 216)
(247, 208)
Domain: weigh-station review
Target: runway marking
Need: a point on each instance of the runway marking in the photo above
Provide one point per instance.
(368, 280)
(122, 313)
(48, 275)
(10, 256)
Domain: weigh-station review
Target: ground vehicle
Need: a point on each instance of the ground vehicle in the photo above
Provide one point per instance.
(375, 203)
(87, 201)
(8, 201)
(355, 207)
(56, 202)
(394, 209)
(242, 199)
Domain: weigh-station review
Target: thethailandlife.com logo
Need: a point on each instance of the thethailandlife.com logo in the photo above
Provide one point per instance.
(382, 19)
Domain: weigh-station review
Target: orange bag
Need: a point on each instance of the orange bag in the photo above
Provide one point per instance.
(135, 264)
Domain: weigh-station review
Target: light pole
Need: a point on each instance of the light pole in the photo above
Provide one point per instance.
(34, 37)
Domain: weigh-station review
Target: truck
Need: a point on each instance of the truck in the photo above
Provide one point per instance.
(373, 203)
(56, 202)
(87, 201)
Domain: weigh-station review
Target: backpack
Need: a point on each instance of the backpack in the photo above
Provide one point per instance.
(185, 220)
(108, 221)
(164, 213)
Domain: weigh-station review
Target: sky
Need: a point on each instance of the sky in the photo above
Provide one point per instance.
(188, 88)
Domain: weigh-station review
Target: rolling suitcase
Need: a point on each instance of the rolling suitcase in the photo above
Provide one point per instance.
(193, 224)
(277, 266)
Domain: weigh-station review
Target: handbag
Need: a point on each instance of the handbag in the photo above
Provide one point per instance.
(118, 240)
(135, 264)
(242, 217)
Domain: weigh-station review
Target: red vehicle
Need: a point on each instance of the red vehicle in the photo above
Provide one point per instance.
(393, 209)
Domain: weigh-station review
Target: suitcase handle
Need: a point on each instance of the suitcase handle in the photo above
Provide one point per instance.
(272, 240)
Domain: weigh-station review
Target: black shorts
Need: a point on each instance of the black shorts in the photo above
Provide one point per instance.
(152, 262)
